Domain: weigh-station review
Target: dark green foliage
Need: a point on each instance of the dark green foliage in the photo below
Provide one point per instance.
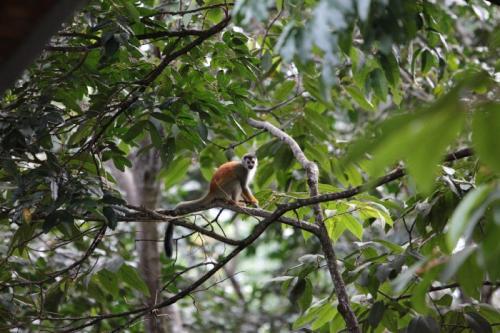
(362, 86)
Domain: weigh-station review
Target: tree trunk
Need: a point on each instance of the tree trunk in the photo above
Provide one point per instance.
(142, 188)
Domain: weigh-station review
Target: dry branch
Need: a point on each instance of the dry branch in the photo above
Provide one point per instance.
(326, 244)
(257, 231)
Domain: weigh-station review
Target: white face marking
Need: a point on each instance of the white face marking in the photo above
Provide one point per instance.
(250, 163)
(251, 173)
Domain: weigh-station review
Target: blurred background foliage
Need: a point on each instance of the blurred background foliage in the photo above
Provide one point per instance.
(363, 86)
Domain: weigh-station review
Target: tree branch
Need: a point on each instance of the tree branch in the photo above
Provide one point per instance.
(156, 216)
(446, 286)
(174, 216)
(148, 35)
(151, 76)
(191, 11)
(258, 230)
(326, 244)
(248, 211)
(53, 275)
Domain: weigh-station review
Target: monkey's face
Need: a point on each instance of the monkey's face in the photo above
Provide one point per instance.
(249, 161)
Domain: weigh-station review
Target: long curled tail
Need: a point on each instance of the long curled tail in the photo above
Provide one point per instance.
(168, 240)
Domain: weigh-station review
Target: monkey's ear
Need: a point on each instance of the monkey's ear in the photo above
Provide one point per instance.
(250, 154)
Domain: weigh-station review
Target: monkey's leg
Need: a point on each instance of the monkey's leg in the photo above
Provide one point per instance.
(236, 197)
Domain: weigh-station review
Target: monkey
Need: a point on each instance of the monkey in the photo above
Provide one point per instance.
(230, 183)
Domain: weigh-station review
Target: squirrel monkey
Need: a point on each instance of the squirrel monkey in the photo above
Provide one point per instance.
(230, 183)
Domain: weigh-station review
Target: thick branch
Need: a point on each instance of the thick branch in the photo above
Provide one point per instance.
(330, 256)
(156, 216)
(166, 215)
(258, 230)
(167, 33)
(248, 211)
(393, 175)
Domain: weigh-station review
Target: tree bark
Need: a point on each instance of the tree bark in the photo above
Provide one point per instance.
(312, 173)
(142, 188)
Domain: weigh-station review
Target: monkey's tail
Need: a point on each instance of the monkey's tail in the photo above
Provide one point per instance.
(169, 231)
(168, 241)
(206, 199)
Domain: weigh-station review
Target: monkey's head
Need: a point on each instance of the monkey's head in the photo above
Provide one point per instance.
(249, 161)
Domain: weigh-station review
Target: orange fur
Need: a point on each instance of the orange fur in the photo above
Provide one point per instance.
(223, 174)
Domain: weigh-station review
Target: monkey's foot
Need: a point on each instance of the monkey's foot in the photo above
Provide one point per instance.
(231, 202)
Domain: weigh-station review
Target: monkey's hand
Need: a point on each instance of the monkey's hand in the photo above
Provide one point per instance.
(253, 202)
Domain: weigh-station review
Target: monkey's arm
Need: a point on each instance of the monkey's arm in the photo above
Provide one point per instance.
(247, 195)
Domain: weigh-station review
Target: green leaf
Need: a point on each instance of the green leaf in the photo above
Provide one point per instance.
(337, 324)
(379, 212)
(327, 313)
(359, 98)
(155, 135)
(131, 277)
(135, 130)
(176, 171)
(470, 276)
(413, 137)
(466, 215)
(455, 262)
(379, 84)
(283, 90)
(83, 132)
(297, 290)
(307, 296)
(310, 314)
(109, 199)
(428, 61)
(395, 248)
(168, 150)
(215, 15)
(163, 117)
(121, 162)
(489, 313)
(423, 325)
(390, 66)
(376, 314)
(109, 281)
(445, 301)
(53, 298)
(352, 225)
(111, 46)
(477, 323)
(486, 129)
(132, 12)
